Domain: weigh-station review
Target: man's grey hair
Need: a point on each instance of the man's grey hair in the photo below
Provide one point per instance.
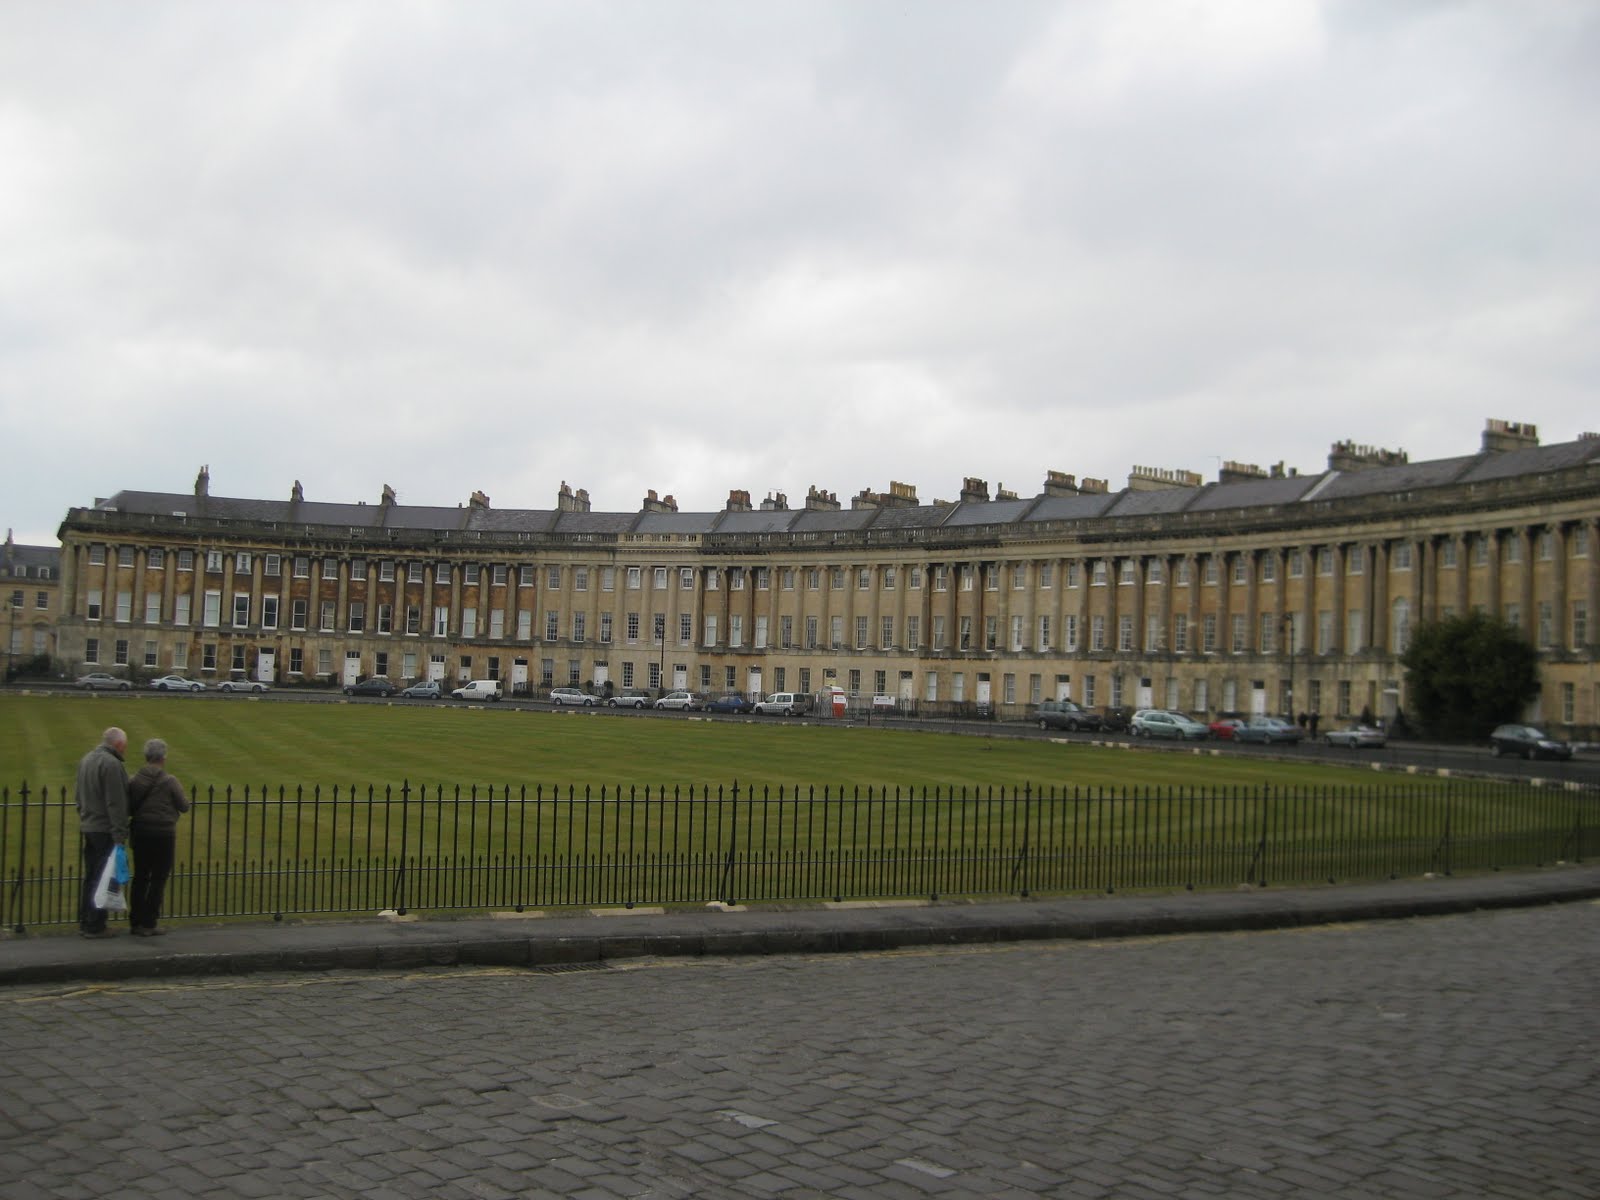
(155, 750)
(114, 738)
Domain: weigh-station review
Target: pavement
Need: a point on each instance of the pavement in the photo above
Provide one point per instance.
(557, 938)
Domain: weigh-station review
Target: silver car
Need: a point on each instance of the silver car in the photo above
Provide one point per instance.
(1160, 723)
(98, 680)
(243, 685)
(571, 695)
(1355, 736)
(684, 701)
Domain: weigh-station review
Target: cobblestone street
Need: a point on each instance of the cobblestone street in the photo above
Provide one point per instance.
(1442, 1057)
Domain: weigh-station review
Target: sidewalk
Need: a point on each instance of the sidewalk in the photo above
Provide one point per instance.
(539, 940)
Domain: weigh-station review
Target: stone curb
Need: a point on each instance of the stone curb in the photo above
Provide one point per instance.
(568, 940)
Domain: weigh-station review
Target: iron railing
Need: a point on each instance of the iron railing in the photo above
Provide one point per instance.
(254, 852)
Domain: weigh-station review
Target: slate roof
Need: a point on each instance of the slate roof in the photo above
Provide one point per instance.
(988, 512)
(1072, 508)
(770, 520)
(1252, 493)
(23, 562)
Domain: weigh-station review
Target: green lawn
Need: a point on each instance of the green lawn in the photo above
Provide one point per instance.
(300, 809)
(218, 742)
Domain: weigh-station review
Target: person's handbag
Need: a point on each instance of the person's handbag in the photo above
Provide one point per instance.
(108, 892)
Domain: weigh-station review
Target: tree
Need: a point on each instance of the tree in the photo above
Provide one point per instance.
(1467, 674)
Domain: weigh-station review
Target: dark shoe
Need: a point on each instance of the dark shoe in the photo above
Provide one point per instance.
(149, 931)
(96, 933)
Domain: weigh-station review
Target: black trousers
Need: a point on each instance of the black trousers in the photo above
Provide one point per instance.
(96, 849)
(153, 854)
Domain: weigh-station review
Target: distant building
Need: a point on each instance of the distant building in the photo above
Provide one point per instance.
(1266, 591)
(30, 585)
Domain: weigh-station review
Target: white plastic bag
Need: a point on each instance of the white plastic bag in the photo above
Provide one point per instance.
(108, 892)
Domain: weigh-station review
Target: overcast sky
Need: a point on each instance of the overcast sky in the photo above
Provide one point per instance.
(692, 247)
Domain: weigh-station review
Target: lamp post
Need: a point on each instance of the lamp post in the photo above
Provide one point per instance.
(1286, 634)
(660, 621)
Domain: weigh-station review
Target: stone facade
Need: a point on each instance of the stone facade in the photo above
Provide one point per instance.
(30, 589)
(1268, 591)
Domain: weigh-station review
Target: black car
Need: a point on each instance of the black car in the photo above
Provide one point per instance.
(378, 685)
(1528, 742)
(1115, 719)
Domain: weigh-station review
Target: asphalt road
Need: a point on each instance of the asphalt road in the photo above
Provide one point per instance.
(1426, 1058)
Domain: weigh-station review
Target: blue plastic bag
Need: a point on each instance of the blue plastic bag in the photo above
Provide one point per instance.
(108, 891)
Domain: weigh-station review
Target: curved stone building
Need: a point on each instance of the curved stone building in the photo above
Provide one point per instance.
(1265, 591)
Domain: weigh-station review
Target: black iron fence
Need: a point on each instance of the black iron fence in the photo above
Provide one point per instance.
(252, 852)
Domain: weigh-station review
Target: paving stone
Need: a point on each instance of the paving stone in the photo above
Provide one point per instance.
(1232, 1065)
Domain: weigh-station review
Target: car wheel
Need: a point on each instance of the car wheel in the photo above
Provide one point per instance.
(1494, 750)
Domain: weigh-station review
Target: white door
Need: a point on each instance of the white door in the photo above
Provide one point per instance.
(264, 665)
(1258, 700)
(983, 690)
(906, 696)
(352, 666)
(1146, 698)
(602, 674)
(436, 670)
(753, 682)
(519, 678)
(680, 679)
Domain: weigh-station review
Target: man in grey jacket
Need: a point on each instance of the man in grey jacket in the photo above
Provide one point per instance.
(102, 821)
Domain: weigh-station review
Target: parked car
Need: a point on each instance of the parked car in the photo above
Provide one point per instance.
(1268, 730)
(563, 696)
(176, 683)
(426, 689)
(628, 698)
(243, 685)
(1527, 741)
(1161, 723)
(478, 689)
(1065, 714)
(377, 685)
(1226, 728)
(786, 704)
(683, 701)
(729, 702)
(1114, 719)
(97, 680)
(1354, 736)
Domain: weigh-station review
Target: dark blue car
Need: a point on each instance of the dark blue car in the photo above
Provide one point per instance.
(730, 702)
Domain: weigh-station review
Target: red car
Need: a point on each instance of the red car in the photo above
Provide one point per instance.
(1225, 727)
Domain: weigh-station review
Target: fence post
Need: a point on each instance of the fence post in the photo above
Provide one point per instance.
(397, 898)
(1018, 867)
(725, 888)
(22, 857)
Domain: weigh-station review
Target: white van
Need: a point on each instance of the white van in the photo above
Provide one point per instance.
(479, 689)
(787, 704)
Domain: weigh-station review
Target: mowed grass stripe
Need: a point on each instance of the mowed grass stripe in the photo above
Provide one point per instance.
(221, 742)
